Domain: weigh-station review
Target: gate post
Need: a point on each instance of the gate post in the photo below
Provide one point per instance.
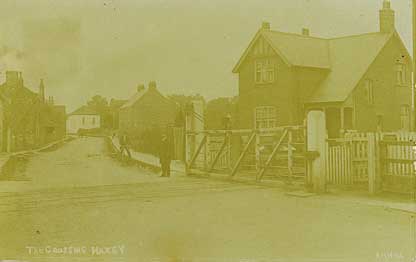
(316, 132)
(373, 173)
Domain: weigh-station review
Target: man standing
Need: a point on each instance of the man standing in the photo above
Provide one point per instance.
(165, 156)
(124, 144)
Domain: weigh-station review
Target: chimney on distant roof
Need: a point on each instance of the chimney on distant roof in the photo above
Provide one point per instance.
(265, 26)
(387, 18)
(140, 87)
(41, 91)
(51, 100)
(14, 79)
(305, 32)
(152, 85)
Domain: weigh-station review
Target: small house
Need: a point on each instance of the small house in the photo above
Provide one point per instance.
(84, 118)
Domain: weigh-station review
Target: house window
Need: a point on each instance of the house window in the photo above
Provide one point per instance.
(401, 73)
(405, 117)
(93, 120)
(83, 120)
(265, 117)
(369, 86)
(265, 71)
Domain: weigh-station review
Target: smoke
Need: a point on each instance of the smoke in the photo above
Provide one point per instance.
(10, 59)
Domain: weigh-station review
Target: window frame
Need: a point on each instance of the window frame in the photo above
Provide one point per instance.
(267, 117)
(405, 117)
(401, 73)
(265, 71)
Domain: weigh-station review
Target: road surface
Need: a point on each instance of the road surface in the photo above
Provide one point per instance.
(79, 204)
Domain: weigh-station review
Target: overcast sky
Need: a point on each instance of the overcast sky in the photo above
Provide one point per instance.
(87, 47)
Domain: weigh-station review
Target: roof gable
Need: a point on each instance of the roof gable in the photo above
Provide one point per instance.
(84, 110)
(351, 58)
(142, 93)
(295, 50)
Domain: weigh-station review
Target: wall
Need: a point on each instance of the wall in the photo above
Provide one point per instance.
(74, 123)
(252, 94)
(288, 93)
(387, 94)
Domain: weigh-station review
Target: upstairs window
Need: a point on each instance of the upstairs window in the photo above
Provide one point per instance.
(405, 117)
(369, 86)
(265, 71)
(401, 74)
(265, 117)
(83, 120)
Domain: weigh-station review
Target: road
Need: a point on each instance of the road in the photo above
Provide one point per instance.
(81, 202)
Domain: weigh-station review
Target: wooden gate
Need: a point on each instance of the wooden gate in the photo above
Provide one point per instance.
(347, 159)
(257, 154)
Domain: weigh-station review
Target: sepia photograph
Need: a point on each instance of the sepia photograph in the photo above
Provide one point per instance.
(207, 131)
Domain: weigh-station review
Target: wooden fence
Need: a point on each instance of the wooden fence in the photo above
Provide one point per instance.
(363, 158)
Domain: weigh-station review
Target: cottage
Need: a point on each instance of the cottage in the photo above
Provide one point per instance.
(362, 82)
(147, 108)
(84, 118)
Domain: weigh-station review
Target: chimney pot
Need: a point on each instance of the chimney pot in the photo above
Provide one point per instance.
(305, 32)
(387, 18)
(12, 78)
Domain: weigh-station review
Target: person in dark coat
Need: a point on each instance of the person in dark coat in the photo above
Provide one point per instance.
(124, 144)
(165, 156)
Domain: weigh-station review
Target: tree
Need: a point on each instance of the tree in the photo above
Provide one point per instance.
(220, 113)
(100, 105)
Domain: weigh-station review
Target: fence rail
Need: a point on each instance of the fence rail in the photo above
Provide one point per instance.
(259, 154)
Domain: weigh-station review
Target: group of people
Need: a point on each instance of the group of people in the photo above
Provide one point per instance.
(165, 152)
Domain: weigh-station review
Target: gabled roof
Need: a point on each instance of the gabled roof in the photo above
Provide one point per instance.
(117, 103)
(351, 57)
(346, 59)
(136, 97)
(84, 110)
(140, 94)
(294, 49)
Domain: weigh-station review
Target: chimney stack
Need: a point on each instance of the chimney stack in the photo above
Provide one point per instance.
(265, 26)
(50, 100)
(41, 91)
(14, 78)
(387, 18)
(305, 32)
(152, 85)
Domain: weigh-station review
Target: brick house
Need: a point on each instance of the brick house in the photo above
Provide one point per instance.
(145, 109)
(362, 82)
(29, 121)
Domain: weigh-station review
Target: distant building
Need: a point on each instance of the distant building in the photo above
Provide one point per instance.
(362, 82)
(147, 108)
(28, 120)
(84, 118)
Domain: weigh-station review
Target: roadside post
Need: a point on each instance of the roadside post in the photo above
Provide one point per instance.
(316, 131)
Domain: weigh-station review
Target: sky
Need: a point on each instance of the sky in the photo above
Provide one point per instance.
(86, 47)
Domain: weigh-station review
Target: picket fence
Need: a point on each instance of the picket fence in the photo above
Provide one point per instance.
(348, 159)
